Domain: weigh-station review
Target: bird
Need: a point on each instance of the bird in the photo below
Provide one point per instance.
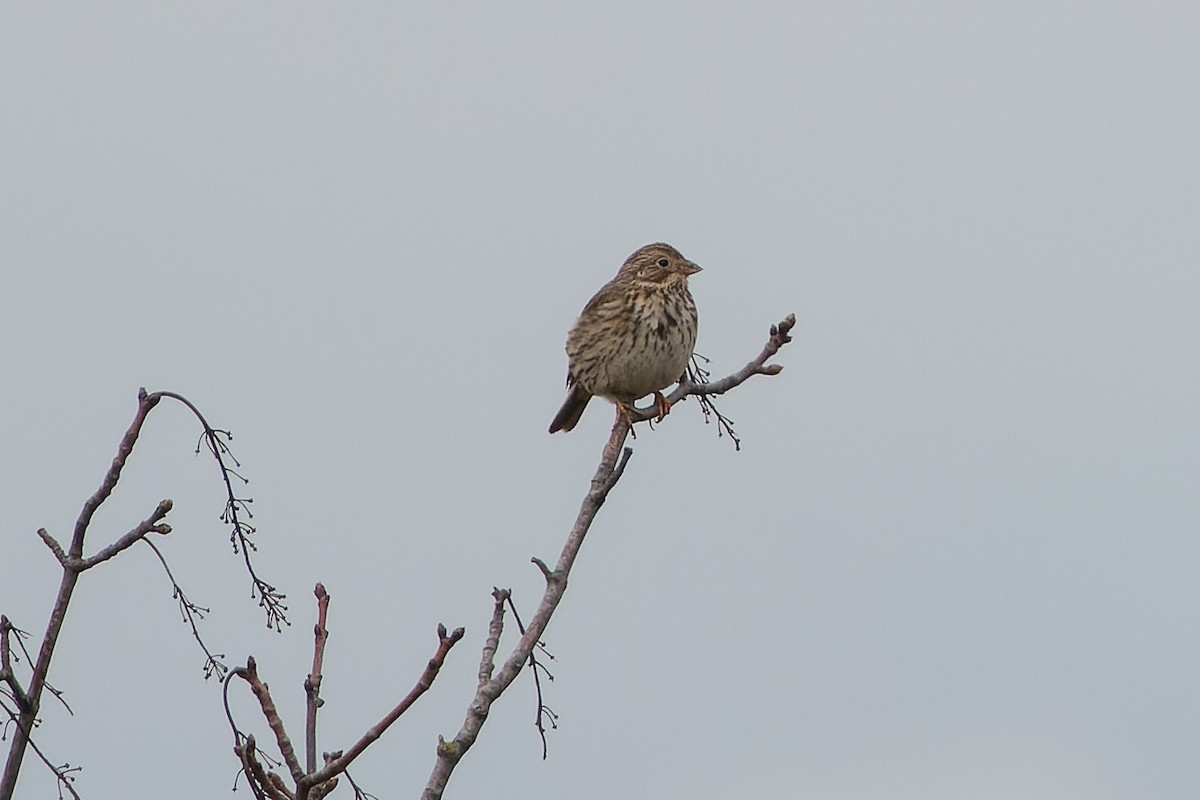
(634, 337)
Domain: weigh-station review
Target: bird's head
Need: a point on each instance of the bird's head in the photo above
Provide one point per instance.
(658, 264)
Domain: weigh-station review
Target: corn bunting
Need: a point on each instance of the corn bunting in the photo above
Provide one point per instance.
(634, 337)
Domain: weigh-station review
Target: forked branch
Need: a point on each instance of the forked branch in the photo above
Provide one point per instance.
(613, 458)
(779, 336)
(73, 565)
(697, 381)
(310, 782)
(27, 699)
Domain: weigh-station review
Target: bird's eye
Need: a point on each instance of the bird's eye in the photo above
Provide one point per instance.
(662, 262)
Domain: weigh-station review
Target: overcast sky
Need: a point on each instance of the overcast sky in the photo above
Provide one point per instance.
(958, 553)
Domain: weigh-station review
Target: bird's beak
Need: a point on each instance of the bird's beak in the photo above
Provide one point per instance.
(691, 269)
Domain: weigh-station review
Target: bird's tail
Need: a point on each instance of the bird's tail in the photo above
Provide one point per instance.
(572, 409)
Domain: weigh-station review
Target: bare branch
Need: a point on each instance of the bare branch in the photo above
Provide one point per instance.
(263, 783)
(543, 710)
(312, 684)
(57, 549)
(547, 573)
(359, 793)
(213, 665)
(314, 784)
(607, 473)
(339, 764)
(701, 375)
(613, 461)
(271, 713)
(269, 598)
(779, 336)
(149, 525)
(71, 562)
(697, 381)
(7, 675)
(62, 773)
(626, 454)
(124, 449)
(488, 663)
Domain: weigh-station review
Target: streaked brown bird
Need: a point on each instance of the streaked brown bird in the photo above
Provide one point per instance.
(634, 337)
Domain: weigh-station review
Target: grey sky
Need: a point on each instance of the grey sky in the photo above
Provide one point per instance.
(957, 555)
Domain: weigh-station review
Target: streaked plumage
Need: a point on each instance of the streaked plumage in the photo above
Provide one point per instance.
(634, 337)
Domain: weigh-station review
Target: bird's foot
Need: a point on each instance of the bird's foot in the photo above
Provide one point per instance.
(626, 411)
(662, 405)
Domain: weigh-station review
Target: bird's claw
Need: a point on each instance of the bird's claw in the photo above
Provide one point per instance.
(662, 405)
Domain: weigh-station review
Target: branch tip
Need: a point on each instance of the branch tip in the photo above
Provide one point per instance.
(547, 573)
(54, 546)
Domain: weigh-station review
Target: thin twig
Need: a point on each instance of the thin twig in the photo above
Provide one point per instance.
(359, 793)
(543, 710)
(213, 665)
(269, 598)
(700, 375)
(62, 774)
